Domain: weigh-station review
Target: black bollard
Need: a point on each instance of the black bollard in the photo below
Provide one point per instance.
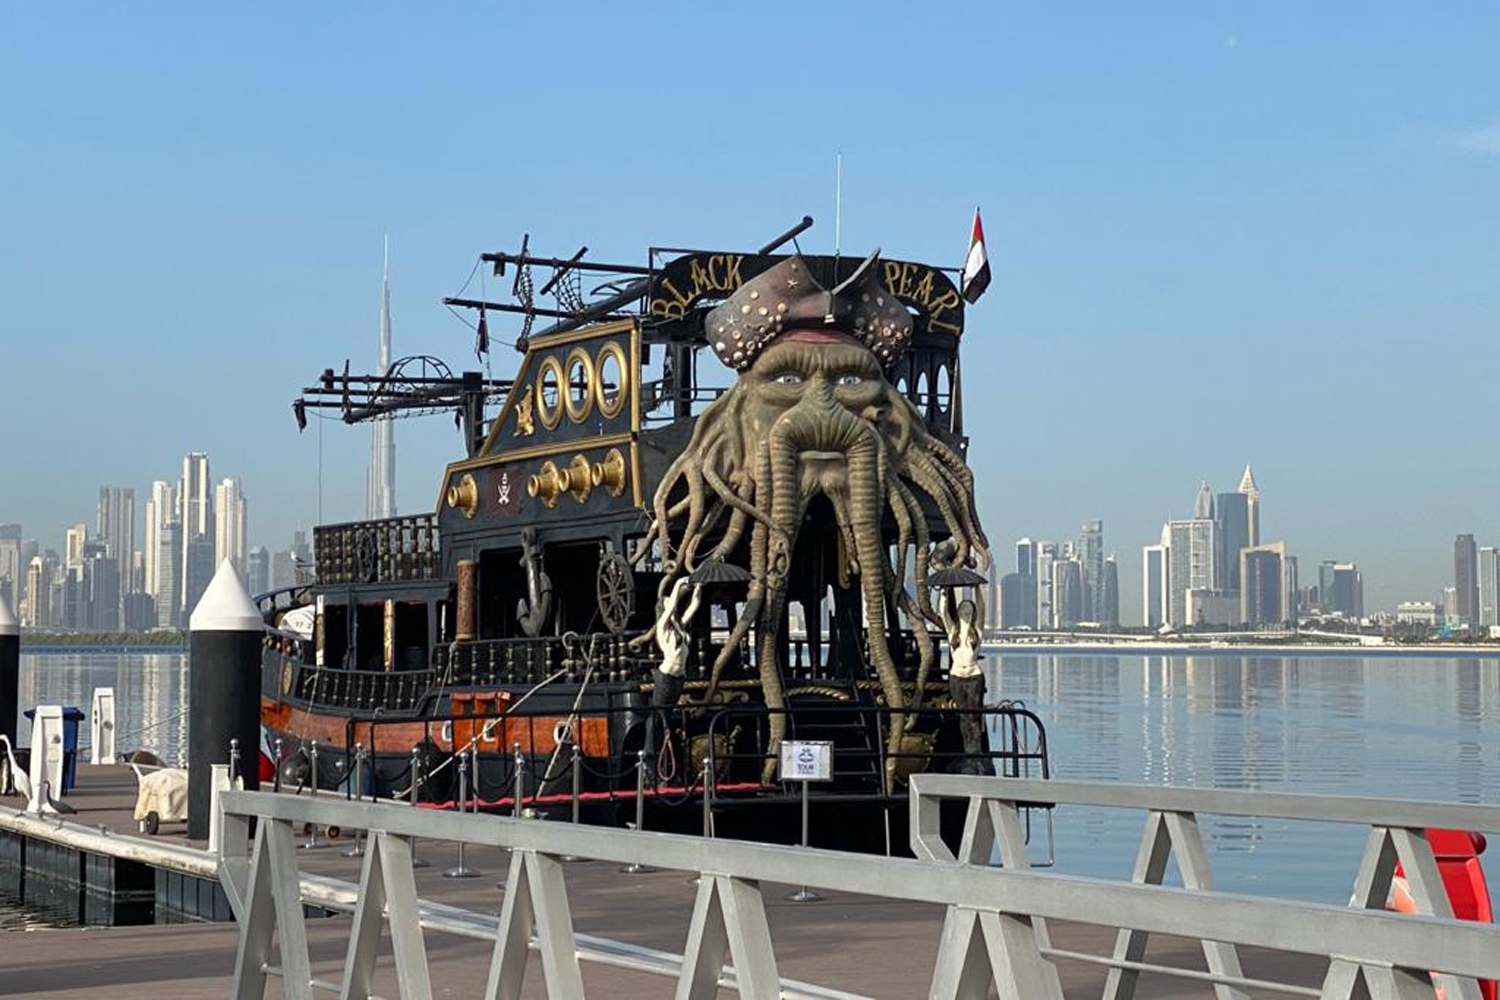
(223, 688)
(10, 671)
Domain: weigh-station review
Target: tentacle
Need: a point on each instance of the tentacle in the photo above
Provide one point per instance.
(923, 477)
(923, 551)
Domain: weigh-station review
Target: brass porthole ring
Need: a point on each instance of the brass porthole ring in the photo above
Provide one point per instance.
(550, 416)
(611, 408)
(578, 410)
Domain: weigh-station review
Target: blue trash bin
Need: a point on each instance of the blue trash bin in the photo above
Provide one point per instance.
(72, 717)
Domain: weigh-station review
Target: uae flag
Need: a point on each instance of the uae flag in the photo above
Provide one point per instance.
(977, 267)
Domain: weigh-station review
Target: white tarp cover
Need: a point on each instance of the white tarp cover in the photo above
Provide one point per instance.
(165, 793)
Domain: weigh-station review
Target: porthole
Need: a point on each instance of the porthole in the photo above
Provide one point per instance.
(549, 405)
(942, 389)
(611, 380)
(578, 391)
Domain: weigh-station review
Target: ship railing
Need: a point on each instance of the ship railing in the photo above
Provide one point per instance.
(993, 934)
(732, 741)
(525, 660)
(359, 690)
(283, 599)
(393, 550)
(1399, 832)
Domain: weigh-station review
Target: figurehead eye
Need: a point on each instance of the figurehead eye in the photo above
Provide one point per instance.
(788, 378)
(849, 379)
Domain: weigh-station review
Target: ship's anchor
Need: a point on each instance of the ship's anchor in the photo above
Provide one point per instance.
(533, 610)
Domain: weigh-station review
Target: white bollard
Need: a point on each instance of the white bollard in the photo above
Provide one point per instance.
(102, 727)
(46, 757)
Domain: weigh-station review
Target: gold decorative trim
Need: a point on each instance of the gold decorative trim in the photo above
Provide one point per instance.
(580, 478)
(548, 484)
(525, 413)
(465, 496)
(579, 356)
(585, 333)
(551, 448)
(550, 417)
(611, 408)
(610, 473)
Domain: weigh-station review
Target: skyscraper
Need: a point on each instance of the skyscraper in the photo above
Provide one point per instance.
(1192, 553)
(37, 611)
(258, 570)
(1466, 579)
(73, 543)
(1232, 518)
(1203, 506)
(1341, 589)
(1252, 495)
(1109, 612)
(1026, 557)
(1091, 556)
(1154, 586)
(1067, 593)
(1489, 579)
(161, 508)
(12, 572)
(380, 486)
(1263, 595)
(196, 513)
(117, 523)
(229, 525)
(1046, 554)
(169, 566)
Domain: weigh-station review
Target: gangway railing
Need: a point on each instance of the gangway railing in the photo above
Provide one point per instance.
(988, 939)
(1397, 834)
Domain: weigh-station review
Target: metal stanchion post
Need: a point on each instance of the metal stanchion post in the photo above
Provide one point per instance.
(462, 870)
(708, 800)
(474, 773)
(234, 760)
(577, 789)
(312, 840)
(804, 894)
(520, 791)
(357, 849)
(636, 868)
(416, 782)
(276, 780)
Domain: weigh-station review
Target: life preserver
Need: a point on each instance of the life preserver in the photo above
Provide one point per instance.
(1457, 853)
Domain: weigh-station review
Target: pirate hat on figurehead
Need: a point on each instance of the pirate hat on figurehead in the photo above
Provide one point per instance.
(787, 297)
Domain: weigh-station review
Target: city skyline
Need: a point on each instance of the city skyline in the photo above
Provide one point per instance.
(1213, 253)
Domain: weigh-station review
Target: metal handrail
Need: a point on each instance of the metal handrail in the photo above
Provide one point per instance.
(1004, 906)
(1398, 834)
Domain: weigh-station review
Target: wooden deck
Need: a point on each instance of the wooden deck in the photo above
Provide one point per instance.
(860, 945)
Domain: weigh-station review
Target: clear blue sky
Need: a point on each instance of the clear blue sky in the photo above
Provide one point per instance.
(1221, 232)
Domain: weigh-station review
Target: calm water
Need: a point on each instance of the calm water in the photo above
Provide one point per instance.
(1423, 728)
(1381, 726)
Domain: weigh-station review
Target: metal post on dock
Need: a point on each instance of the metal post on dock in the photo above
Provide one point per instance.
(224, 650)
(312, 842)
(276, 778)
(10, 670)
(520, 792)
(577, 816)
(708, 799)
(357, 849)
(804, 894)
(462, 870)
(635, 867)
(414, 791)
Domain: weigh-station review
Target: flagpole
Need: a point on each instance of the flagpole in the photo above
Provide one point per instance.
(838, 203)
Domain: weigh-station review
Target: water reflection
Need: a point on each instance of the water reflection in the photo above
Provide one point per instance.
(150, 695)
(1348, 725)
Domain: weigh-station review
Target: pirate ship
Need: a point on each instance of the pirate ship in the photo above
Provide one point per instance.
(722, 505)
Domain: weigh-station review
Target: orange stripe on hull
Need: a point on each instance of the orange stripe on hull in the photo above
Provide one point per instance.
(534, 733)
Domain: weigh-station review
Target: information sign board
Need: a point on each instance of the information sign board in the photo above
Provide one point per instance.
(808, 760)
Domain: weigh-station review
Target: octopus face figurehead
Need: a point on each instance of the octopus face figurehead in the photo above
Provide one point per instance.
(812, 414)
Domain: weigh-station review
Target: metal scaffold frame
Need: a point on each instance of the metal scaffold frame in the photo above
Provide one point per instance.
(993, 937)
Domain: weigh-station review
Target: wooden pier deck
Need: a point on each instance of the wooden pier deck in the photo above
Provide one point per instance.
(860, 945)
